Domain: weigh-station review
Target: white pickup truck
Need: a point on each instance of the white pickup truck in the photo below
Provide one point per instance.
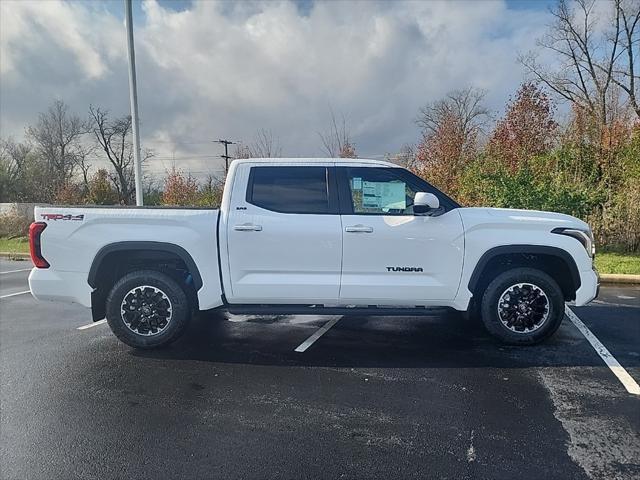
(320, 236)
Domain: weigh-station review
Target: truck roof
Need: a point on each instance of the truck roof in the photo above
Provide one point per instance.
(328, 161)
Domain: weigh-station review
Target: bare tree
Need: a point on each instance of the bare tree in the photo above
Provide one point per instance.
(592, 61)
(406, 157)
(336, 142)
(114, 139)
(57, 136)
(24, 173)
(464, 107)
(264, 145)
(13, 157)
(242, 151)
(626, 78)
(84, 153)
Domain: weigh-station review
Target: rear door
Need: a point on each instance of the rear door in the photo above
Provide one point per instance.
(390, 255)
(284, 235)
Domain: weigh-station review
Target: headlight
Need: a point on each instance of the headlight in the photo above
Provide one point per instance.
(585, 237)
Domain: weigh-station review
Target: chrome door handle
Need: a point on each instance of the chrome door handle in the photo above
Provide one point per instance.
(248, 227)
(358, 229)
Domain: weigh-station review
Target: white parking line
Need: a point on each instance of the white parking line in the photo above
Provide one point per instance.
(15, 271)
(93, 324)
(14, 294)
(618, 370)
(321, 331)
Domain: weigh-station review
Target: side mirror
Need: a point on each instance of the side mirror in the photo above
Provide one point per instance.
(425, 203)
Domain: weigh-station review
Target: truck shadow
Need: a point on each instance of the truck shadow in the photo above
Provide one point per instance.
(440, 341)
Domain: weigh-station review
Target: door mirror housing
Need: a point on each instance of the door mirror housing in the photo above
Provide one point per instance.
(426, 203)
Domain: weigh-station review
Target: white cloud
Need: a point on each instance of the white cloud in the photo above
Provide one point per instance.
(30, 25)
(225, 70)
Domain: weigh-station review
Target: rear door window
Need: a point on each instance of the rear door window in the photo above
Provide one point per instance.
(295, 189)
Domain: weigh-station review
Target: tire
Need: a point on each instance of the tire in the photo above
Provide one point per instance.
(522, 306)
(147, 309)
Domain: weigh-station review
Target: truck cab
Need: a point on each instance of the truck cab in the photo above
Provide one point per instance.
(339, 233)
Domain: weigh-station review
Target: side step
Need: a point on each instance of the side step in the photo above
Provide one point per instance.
(371, 310)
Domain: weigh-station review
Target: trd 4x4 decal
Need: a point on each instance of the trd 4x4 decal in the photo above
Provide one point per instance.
(59, 216)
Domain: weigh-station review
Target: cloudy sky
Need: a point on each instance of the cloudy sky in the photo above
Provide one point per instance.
(209, 70)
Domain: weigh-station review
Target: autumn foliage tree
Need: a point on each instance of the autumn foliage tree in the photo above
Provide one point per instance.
(441, 157)
(521, 165)
(528, 128)
(180, 189)
(450, 133)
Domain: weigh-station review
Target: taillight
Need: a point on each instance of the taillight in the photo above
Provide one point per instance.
(35, 230)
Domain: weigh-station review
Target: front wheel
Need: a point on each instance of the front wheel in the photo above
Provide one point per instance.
(147, 309)
(522, 306)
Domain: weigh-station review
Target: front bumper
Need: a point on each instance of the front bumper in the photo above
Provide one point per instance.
(589, 287)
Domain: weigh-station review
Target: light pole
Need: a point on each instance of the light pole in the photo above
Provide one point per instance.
(133, 96)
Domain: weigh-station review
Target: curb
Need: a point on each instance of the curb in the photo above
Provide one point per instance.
(15, 255)
(608, 278)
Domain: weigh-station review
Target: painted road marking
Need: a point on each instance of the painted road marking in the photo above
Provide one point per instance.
(93, 324)
(618, 370)
(471, 452)
(608, 304)
(14, 294)
(16, 271)
(625, 297)
(321, 331)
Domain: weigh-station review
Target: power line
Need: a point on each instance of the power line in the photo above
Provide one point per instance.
(182, 142)
(189, 157)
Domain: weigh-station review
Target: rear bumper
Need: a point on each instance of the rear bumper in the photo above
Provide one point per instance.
(53, 285)
(589, 287)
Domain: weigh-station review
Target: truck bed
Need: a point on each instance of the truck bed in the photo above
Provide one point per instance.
(74, 236)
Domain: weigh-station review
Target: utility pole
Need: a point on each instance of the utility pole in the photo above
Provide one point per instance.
(133, 97)
(226, 156)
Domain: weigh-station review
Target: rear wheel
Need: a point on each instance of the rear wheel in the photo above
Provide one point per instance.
(147, 309)
(522, 306)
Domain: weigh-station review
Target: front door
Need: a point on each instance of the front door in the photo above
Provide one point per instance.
(284, 235)
(391, 256)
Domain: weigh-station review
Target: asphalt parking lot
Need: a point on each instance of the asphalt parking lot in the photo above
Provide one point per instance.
(429, 397)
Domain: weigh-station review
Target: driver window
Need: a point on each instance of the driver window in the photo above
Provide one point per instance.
(379, 191)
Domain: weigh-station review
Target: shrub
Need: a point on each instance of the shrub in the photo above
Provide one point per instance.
(537, 185)
(101, 190)
(180, 189)
(14, 225)
(69, 194)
